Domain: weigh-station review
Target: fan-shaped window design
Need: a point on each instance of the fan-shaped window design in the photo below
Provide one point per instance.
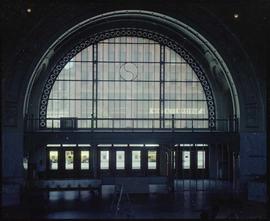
(128, 82)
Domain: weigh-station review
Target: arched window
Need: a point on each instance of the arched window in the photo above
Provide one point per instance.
(128, 82)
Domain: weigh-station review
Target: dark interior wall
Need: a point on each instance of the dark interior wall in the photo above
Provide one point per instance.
(213, 20)
(241, 42)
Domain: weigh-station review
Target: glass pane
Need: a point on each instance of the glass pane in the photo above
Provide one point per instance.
(69, 160)
(136, 159)
(186, 159)
(120, 160)
(201, 159)
(85, 160)
(53, 155)
(152, 159)
(104, 160)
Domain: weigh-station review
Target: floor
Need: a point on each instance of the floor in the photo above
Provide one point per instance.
(180, 205)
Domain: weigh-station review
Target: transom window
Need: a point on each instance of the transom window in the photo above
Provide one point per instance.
(128, 82)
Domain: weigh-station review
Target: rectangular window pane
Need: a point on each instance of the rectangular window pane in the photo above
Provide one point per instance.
(120, 160)
(69, 160)
(201, 159)
(186, 159)
(53, 155)
(85, 160)
(152, 159)
(136, 159)
(104, 160)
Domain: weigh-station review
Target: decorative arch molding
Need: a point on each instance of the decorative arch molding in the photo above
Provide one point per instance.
(129, 32)
(184, 31)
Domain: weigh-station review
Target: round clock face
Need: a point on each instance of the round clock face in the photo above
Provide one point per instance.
(128, 72)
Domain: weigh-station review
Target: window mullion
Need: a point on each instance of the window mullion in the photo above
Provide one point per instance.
(162, 86)
(94, 87)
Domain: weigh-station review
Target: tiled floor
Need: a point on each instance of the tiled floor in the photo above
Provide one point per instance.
(181, 205)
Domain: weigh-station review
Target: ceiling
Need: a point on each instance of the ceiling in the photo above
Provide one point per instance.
(21, 17)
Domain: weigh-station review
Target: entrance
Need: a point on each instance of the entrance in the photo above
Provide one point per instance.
(191, 161)
(188, 161)
(128, 159)
(69, 160)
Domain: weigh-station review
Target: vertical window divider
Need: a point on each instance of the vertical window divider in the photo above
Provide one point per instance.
(80, 122)
(95, 88)
(162, 87)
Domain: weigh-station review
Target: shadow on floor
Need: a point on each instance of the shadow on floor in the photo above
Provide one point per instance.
(181, 205)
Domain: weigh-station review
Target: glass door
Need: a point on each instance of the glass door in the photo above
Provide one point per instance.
(152, 161)
(53, 160)
(84, 160)
(136, 167)
(104, 161)
(191, 161)
(69, 160)
(120, 160)
(202, 153)
(121, 166)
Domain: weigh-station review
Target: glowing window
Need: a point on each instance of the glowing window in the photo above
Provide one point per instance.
(84, 159)
(186, 159)
(69, 160)
(120, 160)
(53, 157)
(136, 159)
(104, 160)
(201, 159)
(152, 159)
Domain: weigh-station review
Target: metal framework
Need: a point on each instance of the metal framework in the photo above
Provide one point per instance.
(127, 74)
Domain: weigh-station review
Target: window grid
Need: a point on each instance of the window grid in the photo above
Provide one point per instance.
(128, 77)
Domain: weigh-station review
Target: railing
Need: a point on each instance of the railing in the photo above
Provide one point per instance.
(133, 124)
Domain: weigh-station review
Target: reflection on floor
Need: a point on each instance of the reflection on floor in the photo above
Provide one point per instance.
(181, 205)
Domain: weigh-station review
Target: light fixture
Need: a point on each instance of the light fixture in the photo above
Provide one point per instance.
(29, 10)
(236, 15)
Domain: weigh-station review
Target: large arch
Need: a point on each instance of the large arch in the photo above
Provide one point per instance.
(190, 74)
(180, 33)
(229, 81)
(39, 64)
